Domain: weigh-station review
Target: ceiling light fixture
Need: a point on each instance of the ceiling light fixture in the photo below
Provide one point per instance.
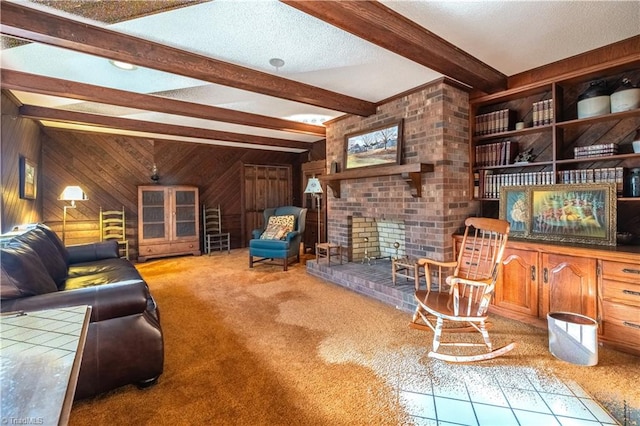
(123, 65)
(315, 119)
(277, 63)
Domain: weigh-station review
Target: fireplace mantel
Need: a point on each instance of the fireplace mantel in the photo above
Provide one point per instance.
(411, 173)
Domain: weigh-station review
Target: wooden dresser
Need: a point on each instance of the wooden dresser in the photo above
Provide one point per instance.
(600, 282)
(168, 222)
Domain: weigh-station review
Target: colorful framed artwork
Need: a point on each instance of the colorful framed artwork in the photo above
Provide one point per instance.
(580, 213)
(374, 147)
(28, 179)
(514, 208)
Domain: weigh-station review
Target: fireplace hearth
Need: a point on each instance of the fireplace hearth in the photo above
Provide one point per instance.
(373, 280)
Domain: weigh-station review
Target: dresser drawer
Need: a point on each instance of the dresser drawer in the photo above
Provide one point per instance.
(627, 272)
(622, 292)
(621, 323)
(154, 249)
(185, 247)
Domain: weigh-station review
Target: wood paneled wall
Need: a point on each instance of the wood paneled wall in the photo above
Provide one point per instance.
(20, 138)
(109, 168)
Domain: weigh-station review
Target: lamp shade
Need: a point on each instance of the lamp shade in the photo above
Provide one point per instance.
(313, 186)
(73, 193)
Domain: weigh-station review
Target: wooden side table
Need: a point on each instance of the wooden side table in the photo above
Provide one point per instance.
(328, 250)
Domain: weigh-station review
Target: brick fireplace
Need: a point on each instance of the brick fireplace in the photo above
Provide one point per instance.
(435, 121)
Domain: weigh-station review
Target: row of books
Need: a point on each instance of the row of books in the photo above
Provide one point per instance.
(495, 122)
(542, 113)
(599, 150)
(599, 175)
(496, 154)
(487, 184)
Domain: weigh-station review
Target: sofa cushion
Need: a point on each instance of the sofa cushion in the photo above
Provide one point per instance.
(46, 249)
(107, 271)
(278, 227)
(53, 237)
(23, 273)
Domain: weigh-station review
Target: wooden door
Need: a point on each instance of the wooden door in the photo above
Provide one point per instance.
(568, 285)
(264, 187)
(517, 284)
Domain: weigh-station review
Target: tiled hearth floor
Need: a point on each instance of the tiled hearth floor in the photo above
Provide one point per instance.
(509, 396)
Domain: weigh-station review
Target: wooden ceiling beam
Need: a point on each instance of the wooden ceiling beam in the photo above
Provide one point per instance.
(16, 80)
(376, 23)
(52, 114)
(35, 25)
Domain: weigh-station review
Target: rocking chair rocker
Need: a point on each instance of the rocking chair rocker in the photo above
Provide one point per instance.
(463, 306)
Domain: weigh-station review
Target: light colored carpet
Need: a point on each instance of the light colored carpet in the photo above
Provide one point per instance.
(266, 347)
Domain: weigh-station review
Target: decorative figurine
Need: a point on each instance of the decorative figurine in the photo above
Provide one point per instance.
(525, 157)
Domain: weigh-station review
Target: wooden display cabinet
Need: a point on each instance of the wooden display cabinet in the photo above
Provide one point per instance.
(168, 222)
(602, 283)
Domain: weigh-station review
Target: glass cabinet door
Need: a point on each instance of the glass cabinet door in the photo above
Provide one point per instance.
(185, 213)
(153, 214)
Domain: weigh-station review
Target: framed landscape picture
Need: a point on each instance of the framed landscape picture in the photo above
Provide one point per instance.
(514, 208)
(581, 213)
(28, 179)
(374, 147)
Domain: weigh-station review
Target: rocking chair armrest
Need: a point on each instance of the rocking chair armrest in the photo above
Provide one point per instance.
(452, 281)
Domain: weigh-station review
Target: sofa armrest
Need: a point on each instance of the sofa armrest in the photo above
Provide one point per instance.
(107, 300)
(93, 251)
(255, 234)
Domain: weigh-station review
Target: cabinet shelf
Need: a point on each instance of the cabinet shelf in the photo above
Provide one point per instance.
(598, 119)
(515, 165)
(514, 133)
(616, 157)
(411, 173)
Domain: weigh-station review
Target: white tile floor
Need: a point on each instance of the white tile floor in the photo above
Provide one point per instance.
(499, 396)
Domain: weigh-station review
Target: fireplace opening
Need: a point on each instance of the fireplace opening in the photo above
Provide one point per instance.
(376, 238)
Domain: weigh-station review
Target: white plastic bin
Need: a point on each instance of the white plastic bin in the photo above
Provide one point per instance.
(573, 338)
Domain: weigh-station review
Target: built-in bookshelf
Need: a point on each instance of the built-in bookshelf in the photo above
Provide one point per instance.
(553, 145)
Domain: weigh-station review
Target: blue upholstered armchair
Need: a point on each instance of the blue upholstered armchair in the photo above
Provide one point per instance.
(280, 238)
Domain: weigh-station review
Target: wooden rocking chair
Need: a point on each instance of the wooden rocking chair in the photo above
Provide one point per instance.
(463, 306)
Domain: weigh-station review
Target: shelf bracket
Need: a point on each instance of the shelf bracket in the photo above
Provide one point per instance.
(414, 180)
(335, 187)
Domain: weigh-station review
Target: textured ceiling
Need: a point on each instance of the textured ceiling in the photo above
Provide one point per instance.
(510, 36)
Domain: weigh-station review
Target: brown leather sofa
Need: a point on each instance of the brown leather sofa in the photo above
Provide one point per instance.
(124, 343)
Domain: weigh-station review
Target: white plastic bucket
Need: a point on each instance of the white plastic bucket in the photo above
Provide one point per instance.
(573, 338)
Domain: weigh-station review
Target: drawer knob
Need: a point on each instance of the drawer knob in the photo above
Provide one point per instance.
(631, 292)
(631, 271)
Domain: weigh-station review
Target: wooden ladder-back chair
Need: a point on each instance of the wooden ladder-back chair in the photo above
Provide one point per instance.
(470, 280)
(214, 238)
(113, 226)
